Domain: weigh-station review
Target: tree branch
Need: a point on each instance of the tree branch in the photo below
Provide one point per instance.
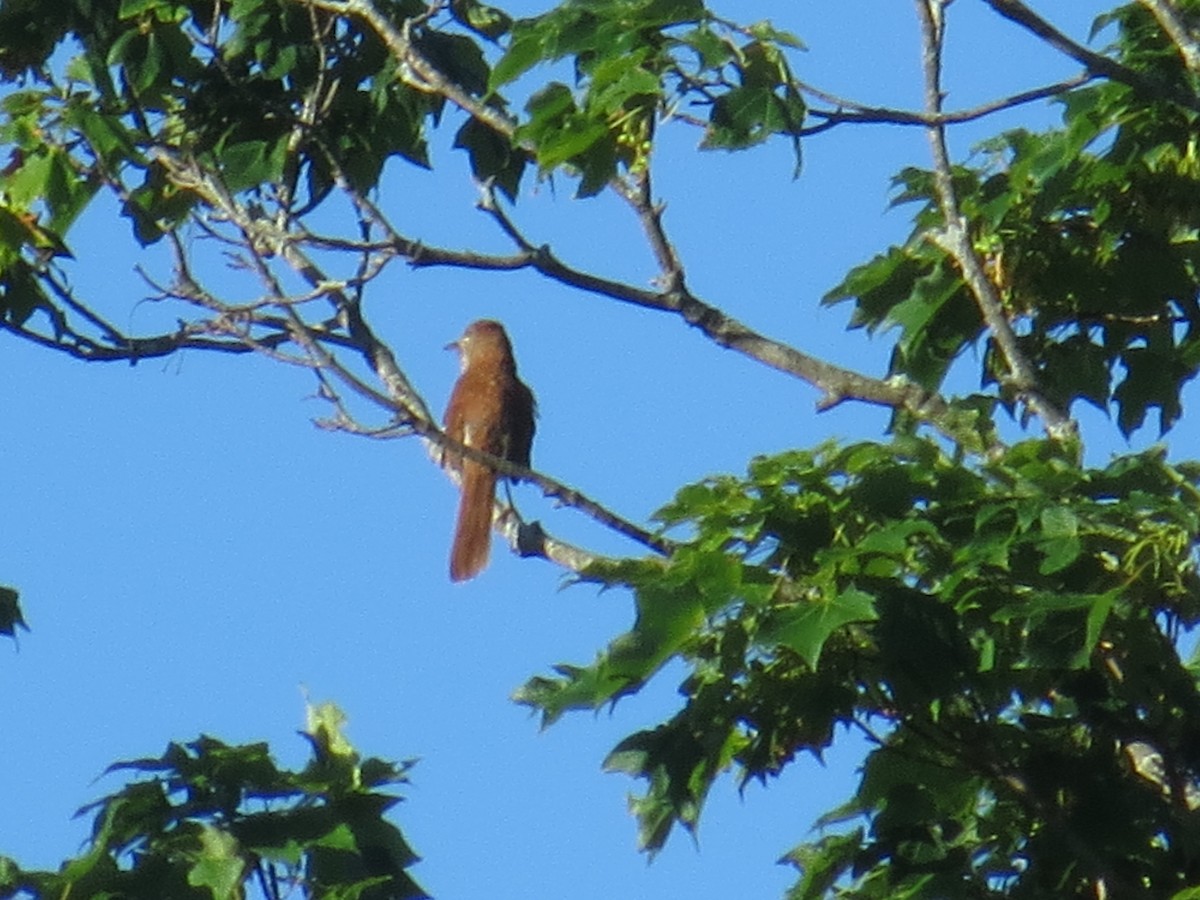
(549, 487)
(262, 236)
(1016, 11)
(133, 350)
(850, 112)
(837, 384)
(955, 240)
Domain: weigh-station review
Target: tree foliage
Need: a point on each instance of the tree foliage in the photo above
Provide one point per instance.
(1002, 620)
(210, 819)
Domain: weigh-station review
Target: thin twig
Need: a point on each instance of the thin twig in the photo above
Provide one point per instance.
(858, 114)
(107, 329)
(671, 278)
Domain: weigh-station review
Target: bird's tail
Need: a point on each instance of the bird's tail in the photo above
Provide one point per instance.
(473, 533)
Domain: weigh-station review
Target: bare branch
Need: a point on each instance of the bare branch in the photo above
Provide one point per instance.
(837, 384)
(671, 278)
(134, 350)
(849, 112)
(109, 331)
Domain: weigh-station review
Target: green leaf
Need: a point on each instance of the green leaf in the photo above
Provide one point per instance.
(574, 687)
(493, 157)
(326, 723)
(661, 13)
(768, 33)
(1152, 379)
(28, 182)
(1058, 554)
(525, 50)
(890, 772)
(714, 50)
(548, 106)
(1077, 368)
(107, 137)
(20, 292)
(667, 614)
(1059, 522)
(575, 137)
(822, 863)
(680, 763)
(1061, 546)
(219, 866)
(804, 627)
(1038, 604)
(1097, 617)
(743, 117)
(614, 82)
(485, 20)
(204, 814)
(878, 286)
(10, 874)
(251, 163)
(458, 58)
(561, 133)
(894, 538)
(145, 62)
(922, 645)
(11, 617)
(930, 294)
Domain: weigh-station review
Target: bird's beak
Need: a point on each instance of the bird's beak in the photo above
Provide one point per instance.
(453, 345)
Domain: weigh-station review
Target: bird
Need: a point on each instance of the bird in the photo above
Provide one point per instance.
(492, 410)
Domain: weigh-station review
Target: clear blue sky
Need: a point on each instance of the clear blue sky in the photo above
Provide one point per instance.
(193, 554)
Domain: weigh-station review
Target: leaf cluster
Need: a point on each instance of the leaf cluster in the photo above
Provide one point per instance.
(267, 91)
(1002, 633)
(1089, 235)
(207, 819)
(273, 89)
(636, 59)
(289, 100)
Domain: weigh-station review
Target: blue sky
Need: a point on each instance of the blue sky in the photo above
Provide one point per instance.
(193, 555)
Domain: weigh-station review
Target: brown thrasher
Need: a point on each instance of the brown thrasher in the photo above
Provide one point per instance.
(491, 410)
